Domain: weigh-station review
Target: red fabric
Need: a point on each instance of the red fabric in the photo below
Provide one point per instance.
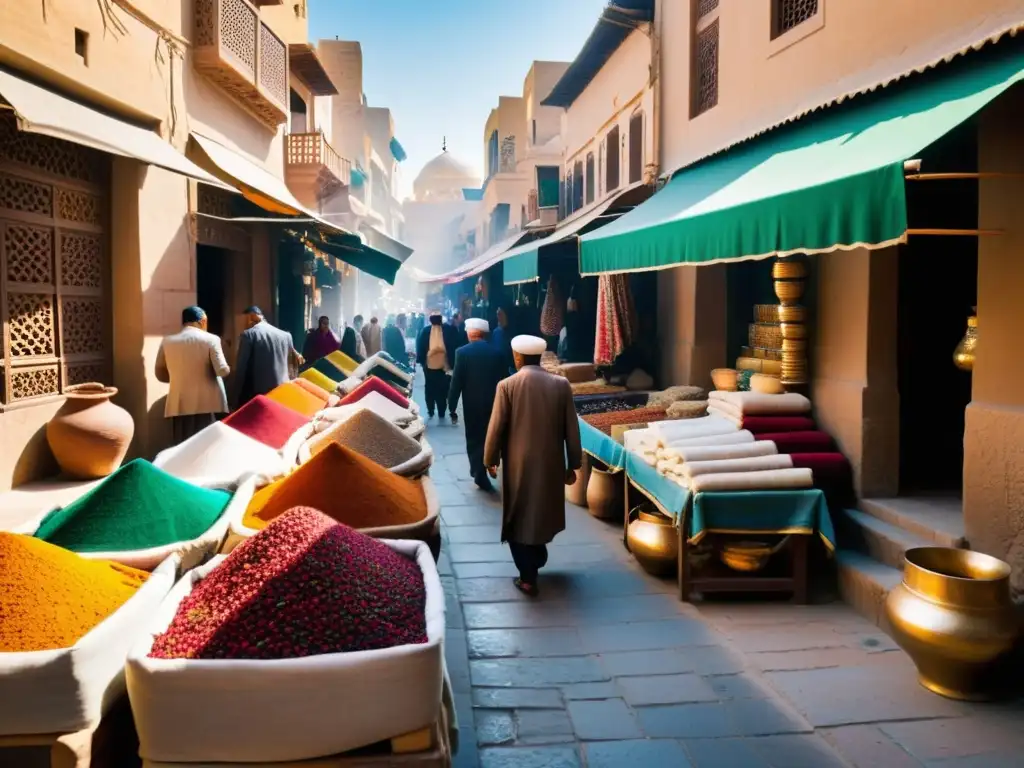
(831, 466)
(800, 442)
(374, 384)
(267, 421)
(616, 318)
(759, 424)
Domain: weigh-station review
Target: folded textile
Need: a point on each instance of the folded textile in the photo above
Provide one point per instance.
(760, 424)
(835, 465)
(715, 452)
(758, 404)
(718, 408)
(681, 429)
(800, 442)
(748, 464)
(638, 440)
(730, 438)
(753, 481)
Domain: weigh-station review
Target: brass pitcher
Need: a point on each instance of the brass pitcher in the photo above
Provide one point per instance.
(953, 616)
(963, 355)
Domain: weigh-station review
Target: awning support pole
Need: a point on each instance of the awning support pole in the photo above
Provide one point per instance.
(956, 232)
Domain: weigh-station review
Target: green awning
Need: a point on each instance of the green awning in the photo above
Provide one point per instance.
(359, 255)
(832, 181)
(522, 268)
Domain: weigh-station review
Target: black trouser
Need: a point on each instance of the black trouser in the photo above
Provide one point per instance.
(529, 559)
(435, 387)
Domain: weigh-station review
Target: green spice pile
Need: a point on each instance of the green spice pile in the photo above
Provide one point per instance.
(303, 586)
(137, 507)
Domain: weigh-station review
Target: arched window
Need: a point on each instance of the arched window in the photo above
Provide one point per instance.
(299, 122)
(591, 180)
(577, 185)
(612, 160)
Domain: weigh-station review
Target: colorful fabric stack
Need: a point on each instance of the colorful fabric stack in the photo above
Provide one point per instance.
(329, 398)
(138, 507)
(266, 421)
(298, 398)
(616, 318)
(305, 586)
(313, 376)
(374, 384)
(329, 369)
(350, 488)
(343, 362)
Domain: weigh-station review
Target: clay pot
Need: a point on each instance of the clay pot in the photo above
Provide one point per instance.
(89, 435)
(953, 616)
(604, 494)
(577, 492)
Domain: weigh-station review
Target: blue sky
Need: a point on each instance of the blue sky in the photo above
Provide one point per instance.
(440, 65)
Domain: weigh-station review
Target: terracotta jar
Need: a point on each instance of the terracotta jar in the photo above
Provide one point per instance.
(89, 435)
(604, 494)
(577, 492)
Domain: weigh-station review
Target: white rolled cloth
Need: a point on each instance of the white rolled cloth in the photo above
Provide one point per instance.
(716, 409)
(685, 428)
(730, 438)
(767, 480)
(638, 440)
(760, 404)
(716, 452)
(748, 464)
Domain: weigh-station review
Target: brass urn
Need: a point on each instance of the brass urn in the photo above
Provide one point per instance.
(963, 355)
(953, 616)
(654, 541)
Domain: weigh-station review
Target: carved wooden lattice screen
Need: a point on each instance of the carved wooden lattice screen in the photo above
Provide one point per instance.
(54, 265)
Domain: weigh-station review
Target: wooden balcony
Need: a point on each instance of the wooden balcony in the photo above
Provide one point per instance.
(312, 169)
(242, 55)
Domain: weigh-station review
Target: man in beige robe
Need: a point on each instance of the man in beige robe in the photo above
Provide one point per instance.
(534, 433)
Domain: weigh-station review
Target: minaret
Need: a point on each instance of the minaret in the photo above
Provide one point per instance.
(444, 143)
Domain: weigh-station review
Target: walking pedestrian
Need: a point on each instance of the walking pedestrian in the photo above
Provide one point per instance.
(435, 352)
(502, 338)
(192, 362)
(264, 356)
(479, 367)
(534, 433)
(320, 341)
(394, 341)
(357, 324)
(372, 337)
(350, 344)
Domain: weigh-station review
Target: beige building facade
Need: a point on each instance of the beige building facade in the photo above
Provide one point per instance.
(729, 73)
(132, 244)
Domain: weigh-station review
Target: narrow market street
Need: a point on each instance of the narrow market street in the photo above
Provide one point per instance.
(608, 668)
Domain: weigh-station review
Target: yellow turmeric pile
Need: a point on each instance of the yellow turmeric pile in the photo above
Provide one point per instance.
(50, 597)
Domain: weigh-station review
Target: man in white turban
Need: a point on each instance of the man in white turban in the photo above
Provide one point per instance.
(478, 369)
(535, 435)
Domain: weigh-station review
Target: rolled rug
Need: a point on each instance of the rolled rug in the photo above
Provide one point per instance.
(730, 438)
(762, 424)
(766, 480)
(759, 404)
(716, 452)
(687, 428)
(800, 442)
(749, 464)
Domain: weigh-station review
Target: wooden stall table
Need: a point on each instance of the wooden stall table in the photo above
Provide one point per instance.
(798, 514)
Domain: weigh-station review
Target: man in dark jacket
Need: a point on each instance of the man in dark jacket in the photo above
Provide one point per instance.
(394, 341)
(435, 352)
(265, 354)
(478, 369)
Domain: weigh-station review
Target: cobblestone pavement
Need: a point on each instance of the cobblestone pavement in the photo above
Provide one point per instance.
(607, 668)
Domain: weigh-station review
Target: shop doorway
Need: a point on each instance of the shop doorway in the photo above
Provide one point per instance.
(211, 285)
(938, 281)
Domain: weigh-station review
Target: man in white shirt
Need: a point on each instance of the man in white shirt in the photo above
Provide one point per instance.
(192, 362)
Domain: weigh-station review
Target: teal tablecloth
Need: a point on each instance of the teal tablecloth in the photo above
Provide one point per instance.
(761, 512)
(670, 497)
(601, 446)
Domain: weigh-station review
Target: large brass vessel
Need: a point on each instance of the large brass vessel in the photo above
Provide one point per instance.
(654, 541)
(953, 616)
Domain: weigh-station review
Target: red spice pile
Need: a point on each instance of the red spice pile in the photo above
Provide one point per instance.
(304, 586)
(605, 421)
(267, 421)
(375, 384)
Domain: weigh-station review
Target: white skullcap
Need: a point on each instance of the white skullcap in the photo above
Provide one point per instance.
(529, 345)
(477, 324)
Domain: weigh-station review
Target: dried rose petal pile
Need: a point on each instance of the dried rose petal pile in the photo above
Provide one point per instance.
(305, 585)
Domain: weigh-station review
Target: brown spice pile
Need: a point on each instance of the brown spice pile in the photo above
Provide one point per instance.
(374, 437)
(604, 421)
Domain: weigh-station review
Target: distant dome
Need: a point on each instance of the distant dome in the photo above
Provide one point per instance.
(444, 178)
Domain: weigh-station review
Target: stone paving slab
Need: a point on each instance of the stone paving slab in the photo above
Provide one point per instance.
(607, 668)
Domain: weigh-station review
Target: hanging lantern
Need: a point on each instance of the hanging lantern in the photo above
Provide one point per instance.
(963, 355)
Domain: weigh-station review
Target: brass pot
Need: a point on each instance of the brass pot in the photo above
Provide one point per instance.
(746, 556)
(604, 494)
(953, 616)
(654, 542)
(789, 291)
(577, 492)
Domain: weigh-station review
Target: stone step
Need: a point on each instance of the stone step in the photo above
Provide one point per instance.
(864, 583)
(878, 538)
(938, 520)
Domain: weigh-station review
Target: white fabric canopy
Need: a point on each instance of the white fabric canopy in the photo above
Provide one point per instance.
(44, 112)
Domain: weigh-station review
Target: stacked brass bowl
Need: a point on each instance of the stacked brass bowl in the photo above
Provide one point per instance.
(790, 280)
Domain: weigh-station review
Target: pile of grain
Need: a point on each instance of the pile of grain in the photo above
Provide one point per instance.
(372, 436)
